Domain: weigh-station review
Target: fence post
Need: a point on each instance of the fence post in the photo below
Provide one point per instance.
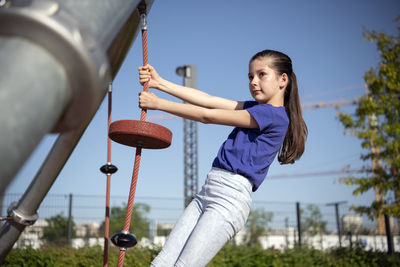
(338, 224)
(69, 220)
(336, 204)
(388, 235)
(298, 221)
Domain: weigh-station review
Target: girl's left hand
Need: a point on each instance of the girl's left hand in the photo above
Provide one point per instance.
(148, 100)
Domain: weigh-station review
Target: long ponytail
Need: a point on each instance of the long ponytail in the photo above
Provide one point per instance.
(296, 135)
(294, 143)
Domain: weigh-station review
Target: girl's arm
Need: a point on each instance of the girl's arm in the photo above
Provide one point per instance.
(238, 118)
(196, 97)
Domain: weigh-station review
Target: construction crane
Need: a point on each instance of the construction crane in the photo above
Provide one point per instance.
(333, 104)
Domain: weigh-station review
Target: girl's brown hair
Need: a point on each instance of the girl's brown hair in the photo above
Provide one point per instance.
(296, 135)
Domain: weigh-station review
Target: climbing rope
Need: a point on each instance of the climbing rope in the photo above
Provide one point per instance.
(108, 169)
(139, 134)
(6, 218)
(135, 174)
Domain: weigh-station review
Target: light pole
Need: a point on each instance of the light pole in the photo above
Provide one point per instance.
(190, 140)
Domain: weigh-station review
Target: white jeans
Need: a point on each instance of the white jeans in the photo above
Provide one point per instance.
(216, 214)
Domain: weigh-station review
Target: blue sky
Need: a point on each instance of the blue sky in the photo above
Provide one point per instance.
(323, 38)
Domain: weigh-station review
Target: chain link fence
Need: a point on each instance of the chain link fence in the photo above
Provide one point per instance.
(319, 221)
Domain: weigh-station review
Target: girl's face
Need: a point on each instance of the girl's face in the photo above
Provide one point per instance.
(266, 86)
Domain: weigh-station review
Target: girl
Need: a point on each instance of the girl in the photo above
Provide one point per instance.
(270, 124)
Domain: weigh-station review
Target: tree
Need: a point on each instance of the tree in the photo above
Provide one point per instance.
(56, 232)
(376, 123)
(256, 225)
(312, 223)
(139, 223)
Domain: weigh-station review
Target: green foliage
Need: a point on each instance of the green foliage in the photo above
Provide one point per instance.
(360, 257)
(229, 256)
(312, 222)
(256, 225)
(56, 233)
(376, 123)
(139, 223)
(83, 257)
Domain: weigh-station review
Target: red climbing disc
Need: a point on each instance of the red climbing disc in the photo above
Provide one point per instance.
(140, 134)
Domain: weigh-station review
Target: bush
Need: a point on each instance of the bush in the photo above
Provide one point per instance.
(229, 256)
(83, 257)
(237, 256)
(360, 257)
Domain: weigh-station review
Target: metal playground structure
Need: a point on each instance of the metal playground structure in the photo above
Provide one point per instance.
(62, 57)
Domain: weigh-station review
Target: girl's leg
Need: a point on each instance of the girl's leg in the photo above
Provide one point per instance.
(227, 202)
(209, 236)
(178, 236)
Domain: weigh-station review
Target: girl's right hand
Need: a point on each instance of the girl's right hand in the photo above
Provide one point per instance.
(149, 74)
(148, 100)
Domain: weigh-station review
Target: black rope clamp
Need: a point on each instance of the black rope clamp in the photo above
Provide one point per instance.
(142, 7)
(124, 240)
(108, 169)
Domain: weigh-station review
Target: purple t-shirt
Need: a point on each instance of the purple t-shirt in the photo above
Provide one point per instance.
(250, 152)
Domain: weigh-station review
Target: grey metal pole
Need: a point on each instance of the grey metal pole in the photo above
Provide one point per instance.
(31, 101)
(85, 64)
(76, 45)
(24, 212)
(112, 22)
